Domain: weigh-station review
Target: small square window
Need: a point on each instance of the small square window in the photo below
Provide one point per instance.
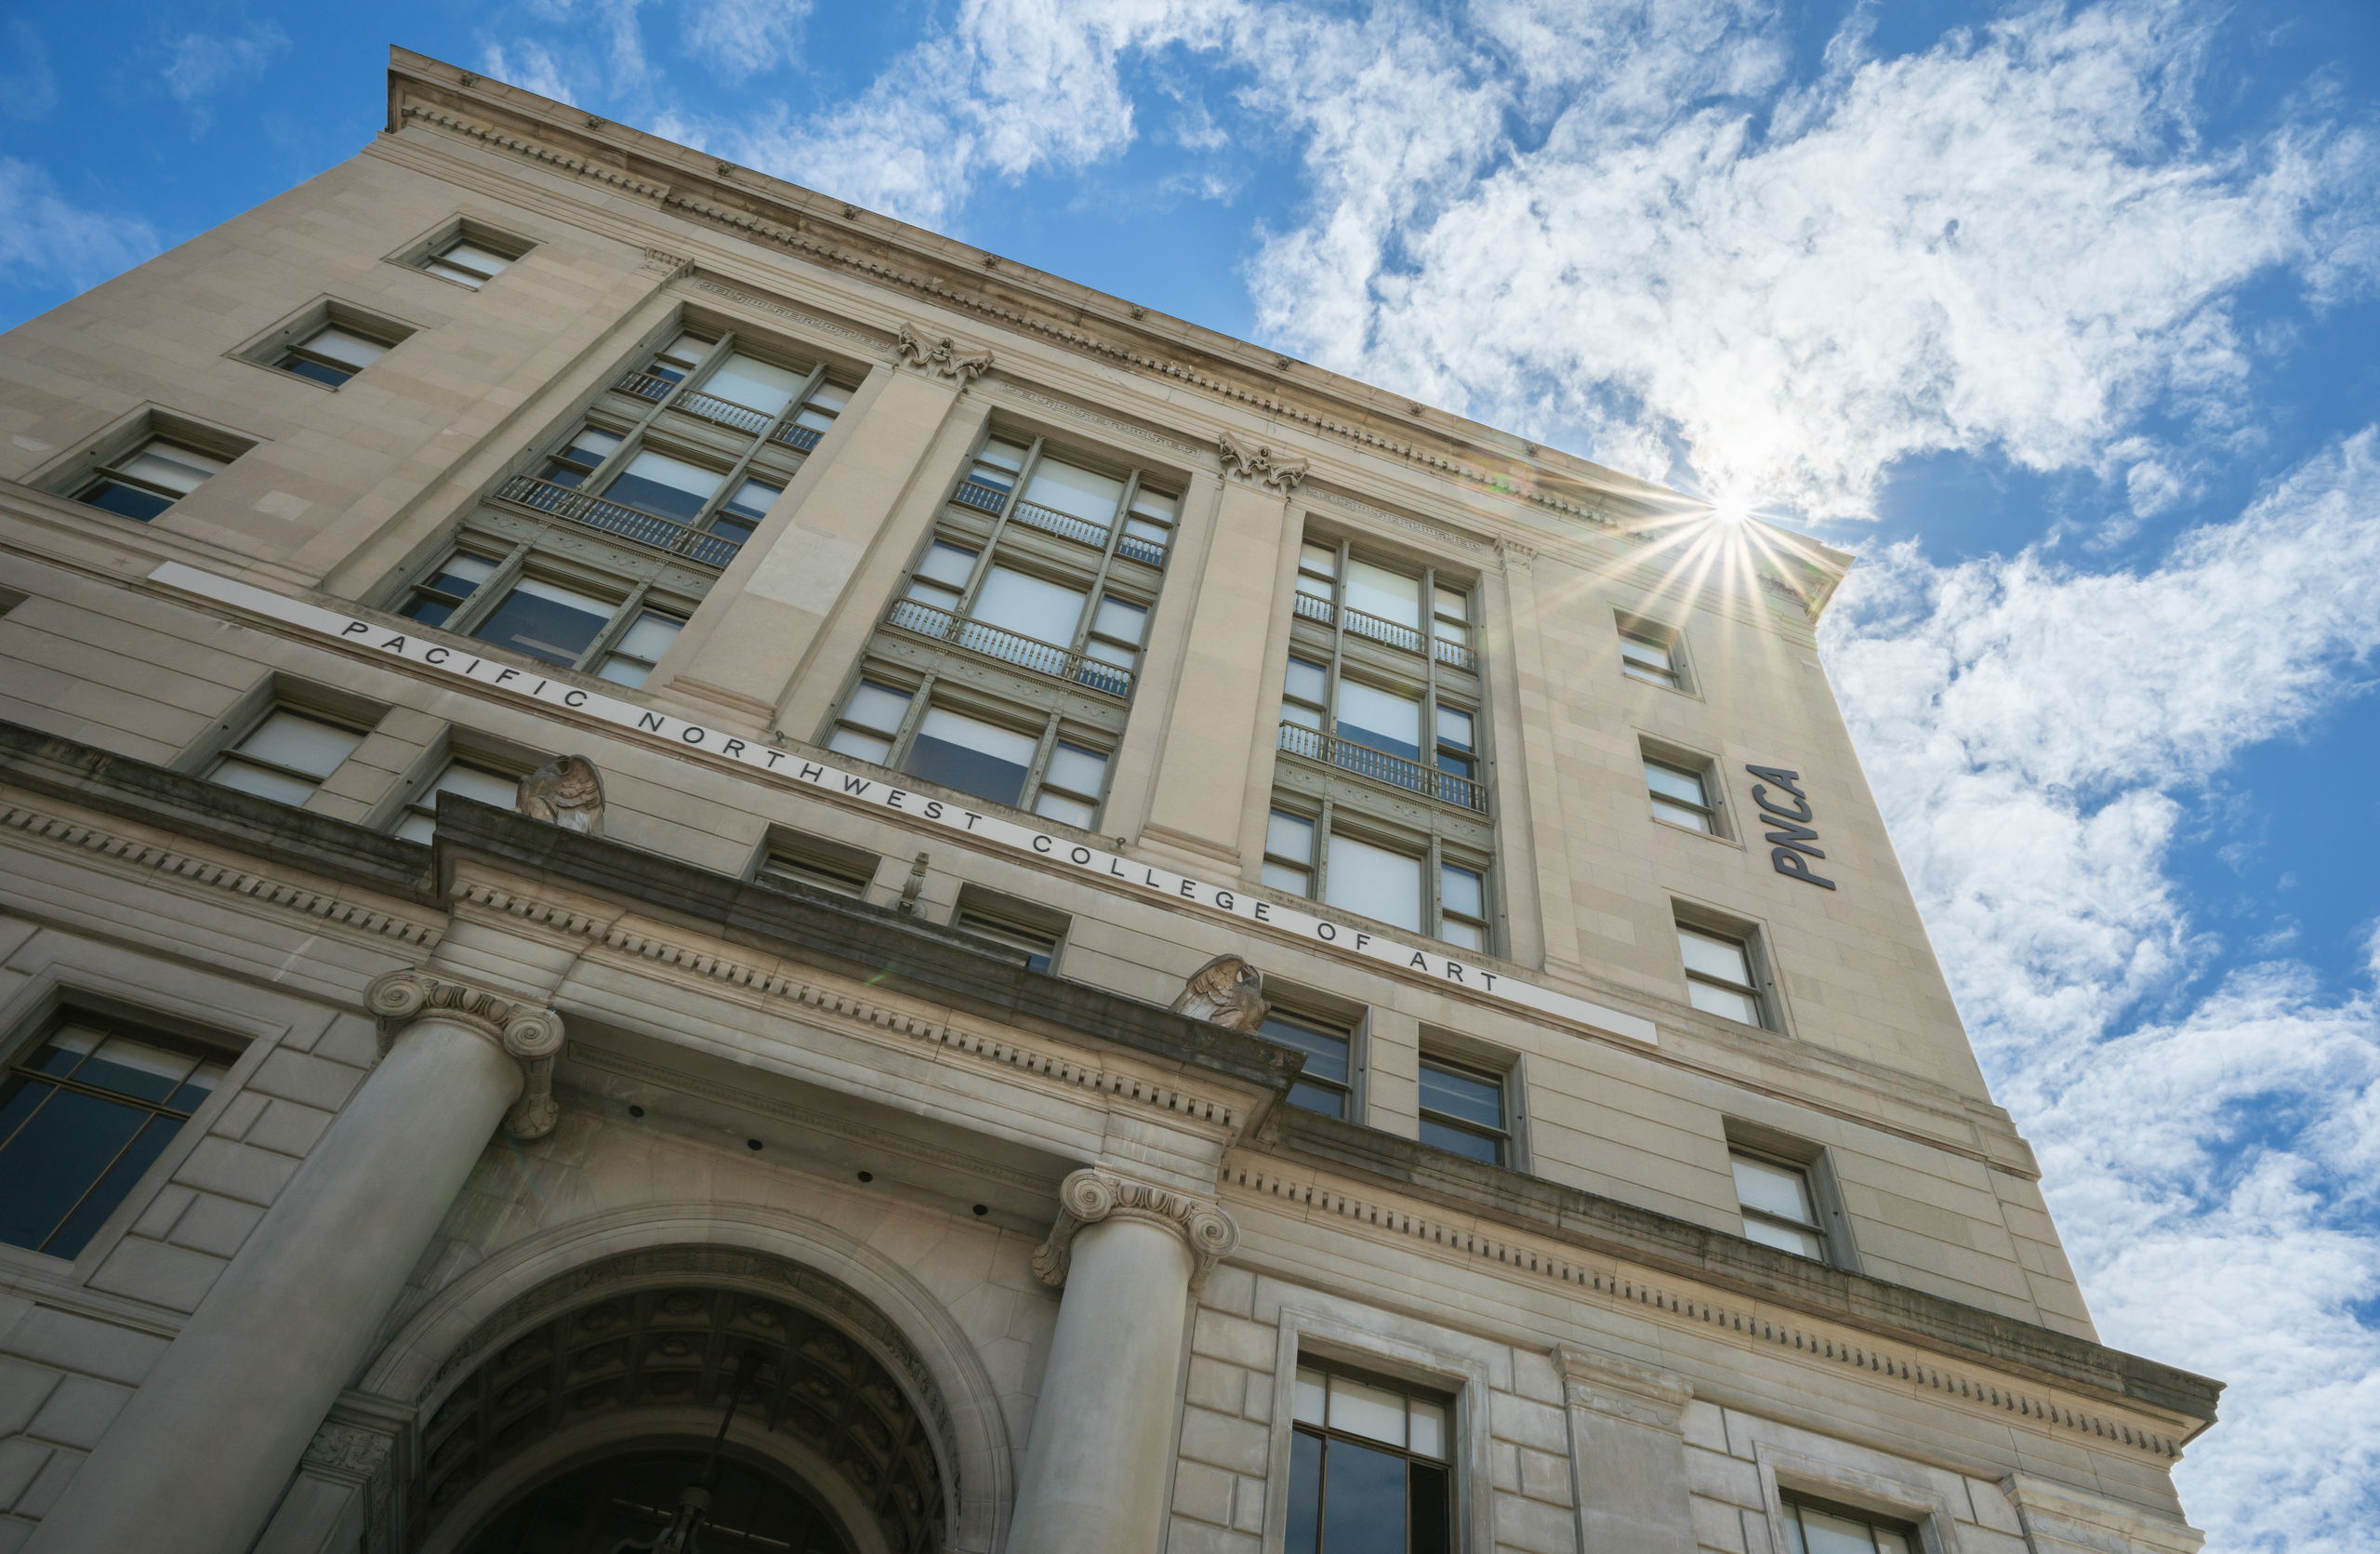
(1466, 1108)
(469, 255)
(152, 476)
(816, 863)
(1328, 1083)
(1778, 1205)
(1012, 926)
(1653, 654)
(332, 354)
(285, 755)
(1719, 975)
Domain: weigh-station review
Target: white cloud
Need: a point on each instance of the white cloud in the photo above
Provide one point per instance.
(2035, 734)
(741, 38)
(198, 65)
(46, 240)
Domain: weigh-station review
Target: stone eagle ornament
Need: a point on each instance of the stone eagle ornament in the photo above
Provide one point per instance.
(567, 791)
(1226, 990)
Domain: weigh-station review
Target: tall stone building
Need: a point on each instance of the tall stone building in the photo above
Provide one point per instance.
(1140, 946)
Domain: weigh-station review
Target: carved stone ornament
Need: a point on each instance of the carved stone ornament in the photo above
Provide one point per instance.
(1227, 990)
(1260, 464)
(529, 1033)
(1624, 1389)
(945, 356)
(1091, 1195)
(567, 791)
(346, 1451)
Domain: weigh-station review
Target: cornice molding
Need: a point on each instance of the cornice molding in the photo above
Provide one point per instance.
(1091, 1195)
(83, 836)
(705, 961)
(1749, 1322)
(528, 1033)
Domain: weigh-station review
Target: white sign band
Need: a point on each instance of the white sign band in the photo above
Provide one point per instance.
(463, 664)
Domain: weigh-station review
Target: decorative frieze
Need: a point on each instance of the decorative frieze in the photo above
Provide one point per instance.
(1091, 1195)
(346, 1451)
(529, 1033)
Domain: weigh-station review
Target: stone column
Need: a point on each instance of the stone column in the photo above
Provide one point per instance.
(1129, 1254)
(1627, 1453)
(198, 1457)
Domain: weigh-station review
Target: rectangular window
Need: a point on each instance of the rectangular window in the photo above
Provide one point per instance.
(154, 475)
(1378, 882)
(1370, 1468)
(332, 354)
(1328, 1083)
(83, 1117)
(1680, 795)
(419, 822)
(285, 756)
(1288, 853)
(1463, 1109)
(1818, 1527)
(1650, 656)
(815, 863)
(632, 655)
(1778, 1206)
(871, 722)
(468, 261)
(971, 755)
(1012, 926)
(1719, 975)
(1309, 855)
(547, 622)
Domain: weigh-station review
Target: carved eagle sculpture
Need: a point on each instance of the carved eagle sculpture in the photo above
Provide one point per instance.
(1226, 990)
(567, 791)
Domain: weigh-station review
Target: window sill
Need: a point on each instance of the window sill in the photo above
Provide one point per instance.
(282, 373)
(1690, 831)
(458, 286)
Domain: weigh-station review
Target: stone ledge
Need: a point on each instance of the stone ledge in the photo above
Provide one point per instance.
(1731, 1262)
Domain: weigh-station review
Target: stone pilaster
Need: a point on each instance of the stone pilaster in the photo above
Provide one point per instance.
(1627, 1453)
(1128, 1254)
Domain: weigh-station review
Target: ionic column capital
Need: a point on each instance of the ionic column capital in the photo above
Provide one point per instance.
(1091, 1195)
(530, 1033)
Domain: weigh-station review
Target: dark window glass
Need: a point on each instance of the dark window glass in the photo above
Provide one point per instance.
(1326, 1081)
(971, 755)
(1462, 1110)
(1305, 1495)
(80, 1117)
(1367, 1469)
(129, 501)
(547, 622)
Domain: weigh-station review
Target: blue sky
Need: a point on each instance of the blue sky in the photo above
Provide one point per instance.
(2061, 317)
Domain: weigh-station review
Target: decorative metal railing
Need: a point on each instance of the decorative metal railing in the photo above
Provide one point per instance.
(723, 412)
(1390, 634)
(981, 498)
(1133, 547)
(795, 437)
(646, 385)
(1378, 765)
(616, 518)
(1011, 647)
(1066, 526)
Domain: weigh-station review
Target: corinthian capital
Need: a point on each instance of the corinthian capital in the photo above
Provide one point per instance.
(1091, 1195)
(529, 1033)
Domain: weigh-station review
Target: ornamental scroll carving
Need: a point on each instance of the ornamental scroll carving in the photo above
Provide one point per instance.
(1262, 464)
(945, 356)
(528, 1033)
(1091, 1195)
(347, 1451)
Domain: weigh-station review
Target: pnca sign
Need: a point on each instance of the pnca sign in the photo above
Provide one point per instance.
(767, 761)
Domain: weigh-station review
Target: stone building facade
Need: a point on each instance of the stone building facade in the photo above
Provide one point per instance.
(847, 1086)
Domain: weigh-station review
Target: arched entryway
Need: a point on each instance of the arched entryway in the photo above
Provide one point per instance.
(582, 1408)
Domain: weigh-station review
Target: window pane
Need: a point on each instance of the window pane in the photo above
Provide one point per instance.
(752, 498)
(1462, 890)
(1684, 786)
(867, 747)
(1120, 618)
(346, 345)
(199, 1086)
(1712, 998)
(301, 743)
(1713, 956)
(1326, 1050)
(59, 1153)
(1374, 1412)
(473, 782)
(71, 1237)
(1029, 605)
(1313, 1388)
(546, 623)
(1289, 836)
(971, 755)
(1432, 1511)
(1307, 680)
(140, 1070)
(1455, 728)
(948, 563)
(171, 465)
(669, 487)
(1075, 491)
(1322, 559)
(1074, 769)
(1365, 1507)
(1073, 812)
(1468, 934)
(1678, 814)
(1453, 605)
(1297, 882)
(1646, 655)
(649, 637)
(66, 1049)
(679, 358)
(1462, 1141)
(1159, 506)
(877, 707)
(1825, 1534)
(1777, 1189)
(1377, 590)
(755, 383)
(1375, 881)
(1305, 1532)
(1460, 1093)
(998, 463)
(126, 502)
(1429, 1428)
(460, 574)
(1382, 719)
(1801, 1243)
(471, 256)
(261, 782)
(590, 447)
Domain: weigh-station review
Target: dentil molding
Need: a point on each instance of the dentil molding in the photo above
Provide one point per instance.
(1091, 1195)
(530, 1034)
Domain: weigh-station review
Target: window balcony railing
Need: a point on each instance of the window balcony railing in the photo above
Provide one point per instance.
(1011, 647)
(798, 437)
(1389, 634)
(1066, 526)
(646, 385)
(722, 412)
(1378, 765)
(1132, 547)
(618, 518)
(981, 498)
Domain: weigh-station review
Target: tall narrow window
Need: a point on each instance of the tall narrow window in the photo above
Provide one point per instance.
(1370, 1467)
(1719, 975)
(83, 1117)
(285, 756)
(1818, 1527)
(1038, 935)
(1464, 1109)
(154, 475)
(1681, 795)
(1778, 1206)
(1328, 1083)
